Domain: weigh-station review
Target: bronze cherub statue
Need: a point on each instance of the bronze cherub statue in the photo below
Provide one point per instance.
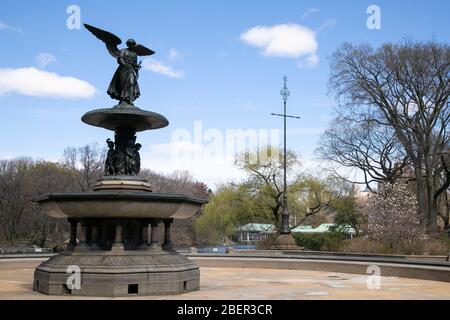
(124, 86)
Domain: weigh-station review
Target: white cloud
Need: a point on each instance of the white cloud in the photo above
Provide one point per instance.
(39, 83)
(175, 55)
(283, 40)
(44, 59)
(158, 67)
(328, 24)
(309, 12)
(6, 27)
(308, 62)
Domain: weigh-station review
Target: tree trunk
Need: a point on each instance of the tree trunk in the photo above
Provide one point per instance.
(444, 205)
(421, 194)
(432, 211)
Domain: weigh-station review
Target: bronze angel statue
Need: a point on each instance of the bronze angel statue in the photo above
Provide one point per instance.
(124, 86)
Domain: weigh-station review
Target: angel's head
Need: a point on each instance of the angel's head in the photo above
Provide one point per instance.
(131, 43)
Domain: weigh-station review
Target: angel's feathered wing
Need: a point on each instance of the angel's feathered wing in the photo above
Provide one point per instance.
(142, 51)
(111, 41)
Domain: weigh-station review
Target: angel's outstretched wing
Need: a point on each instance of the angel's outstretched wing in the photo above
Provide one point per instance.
(142, 51)
(111, 41)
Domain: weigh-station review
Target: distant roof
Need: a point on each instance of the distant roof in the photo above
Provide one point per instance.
(302, 229)
(266, 227)
(257, 227)
(324, 227)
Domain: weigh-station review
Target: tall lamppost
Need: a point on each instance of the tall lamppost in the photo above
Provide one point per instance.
(285, 228)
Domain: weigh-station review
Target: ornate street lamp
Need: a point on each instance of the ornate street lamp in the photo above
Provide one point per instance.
(285, 228)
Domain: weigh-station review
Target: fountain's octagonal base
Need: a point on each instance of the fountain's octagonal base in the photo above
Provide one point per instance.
(117, 273)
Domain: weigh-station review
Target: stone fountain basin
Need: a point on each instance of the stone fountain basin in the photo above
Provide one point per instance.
(116, 204)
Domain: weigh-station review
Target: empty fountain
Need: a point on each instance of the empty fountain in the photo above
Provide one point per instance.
(119, 251)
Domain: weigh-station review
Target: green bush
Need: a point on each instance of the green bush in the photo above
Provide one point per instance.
(328, 241)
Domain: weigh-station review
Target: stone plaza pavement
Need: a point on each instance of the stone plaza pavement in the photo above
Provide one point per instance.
(16, 276)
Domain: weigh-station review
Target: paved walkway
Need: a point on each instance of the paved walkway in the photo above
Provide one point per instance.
(16, 276)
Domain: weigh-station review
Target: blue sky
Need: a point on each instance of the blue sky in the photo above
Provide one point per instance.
(205, 68)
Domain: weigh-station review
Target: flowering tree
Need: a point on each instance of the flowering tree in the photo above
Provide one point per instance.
(393, 215)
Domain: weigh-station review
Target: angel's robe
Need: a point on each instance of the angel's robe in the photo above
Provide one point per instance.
(124, 86)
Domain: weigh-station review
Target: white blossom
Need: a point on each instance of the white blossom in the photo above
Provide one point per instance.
(394, 215)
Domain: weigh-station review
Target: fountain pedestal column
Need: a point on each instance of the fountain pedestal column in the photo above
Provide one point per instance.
(73, 234)
(83, 245)
(143, 225)
(167, 244)
(154, 242)
(95, 235)
(118, 240)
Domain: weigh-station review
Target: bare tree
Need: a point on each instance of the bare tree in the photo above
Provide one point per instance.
(46, 177)
(14, 197)
(408, 85)
(21, 180)
(86, 164)
(372, 148)
(177, 182)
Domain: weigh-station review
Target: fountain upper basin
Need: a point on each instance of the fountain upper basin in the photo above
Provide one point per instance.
(116, 204)
(125, 116)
